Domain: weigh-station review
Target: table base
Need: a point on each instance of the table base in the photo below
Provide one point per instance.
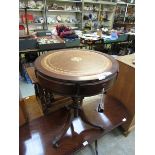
(74, 110)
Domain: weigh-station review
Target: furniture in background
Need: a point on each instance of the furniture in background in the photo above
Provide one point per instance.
(32, 15)
(66, 12)
(124, 15)
(124, 88)
(46, 14)
(125, 44)
(48, 101)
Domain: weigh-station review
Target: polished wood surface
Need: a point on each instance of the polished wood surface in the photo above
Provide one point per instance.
(22, 115)
(124, 90)
(76, 65)
(71, 89)
(70, 72)
(31, 72)
(36, 137)
(32, 108)
(127, 59)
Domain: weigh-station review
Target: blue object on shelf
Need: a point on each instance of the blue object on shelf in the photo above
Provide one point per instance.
(114, 36)
(25, 75)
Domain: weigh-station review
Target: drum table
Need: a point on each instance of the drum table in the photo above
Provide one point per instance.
(78, 74)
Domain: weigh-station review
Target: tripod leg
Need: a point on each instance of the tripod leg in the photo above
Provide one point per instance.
(84, 118)
(56, 140)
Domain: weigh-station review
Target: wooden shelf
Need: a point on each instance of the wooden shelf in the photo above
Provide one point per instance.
(37, 10)
(111, 11)
(92, 2)
(99, 2)
(91, 10)
(68, 1)
(131, 4)
(108, 3)
(78, 13)
(122, 3)
(65, 23)
(125, 23)
(65, 11)
(35, 24)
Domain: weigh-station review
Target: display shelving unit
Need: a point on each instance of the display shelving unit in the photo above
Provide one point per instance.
(70, 13)
(124, 15)
(35, 12)
(108, 9)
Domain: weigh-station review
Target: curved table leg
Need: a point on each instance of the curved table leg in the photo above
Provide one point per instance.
(84, 119)
(68, 123)
(74, 111)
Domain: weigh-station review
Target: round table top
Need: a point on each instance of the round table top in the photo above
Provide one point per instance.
(76, 65)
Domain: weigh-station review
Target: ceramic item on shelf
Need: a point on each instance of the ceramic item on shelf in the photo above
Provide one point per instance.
(74, 20)
(31, 4)
(63, 19)
(59, 18)
(53, 6)
(114, 35)
(101, 17)
(68, 20)
(78, 8)
(95, 25)
(90, 16)
(54, 20)
(39, 4)
(39, 20)
(60, 8)
(91, 8)
(94, 17)
(21, 30)
(74, 8)
(88, 24)
(21, 5)
(21, 27)
(49, 20)
(105, 29)
(68, 8)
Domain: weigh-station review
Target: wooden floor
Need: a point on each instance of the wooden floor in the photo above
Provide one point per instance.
(32, 108)
(36, 136)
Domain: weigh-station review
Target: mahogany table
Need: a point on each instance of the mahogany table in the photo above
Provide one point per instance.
(36, 136)
(78, 74)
